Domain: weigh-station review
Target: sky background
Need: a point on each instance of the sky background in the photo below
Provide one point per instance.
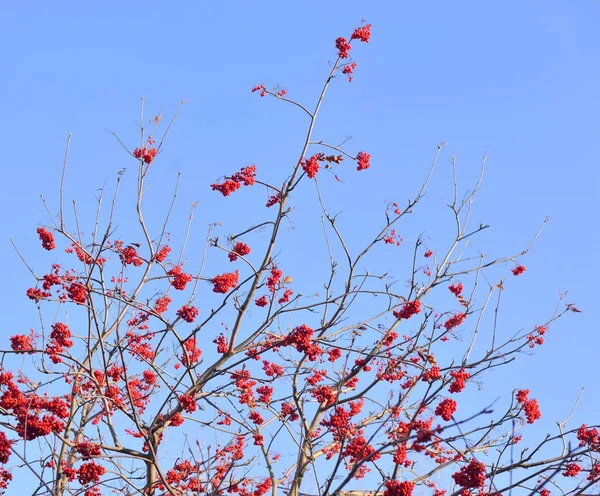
(518, 79)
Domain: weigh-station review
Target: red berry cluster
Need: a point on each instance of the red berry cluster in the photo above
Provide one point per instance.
(273, 279)
(273, 200)
(241, 249)
(138, 346)
(162, 254)
(90, 472)
(433, 374)
(187, 402)
(518, 270)
(47, 239)
(398, 488)
(334, 354)
(22, 343)
(572, 470)
(129, 256)
(77, 292)
(245, 176)
(460, 380)
(311, 165)
(162, 304)
(179, 278)
(594, 474)
(301, 339)
(188, 313)
(400, 454)
(265, 394)
(244, 385)
(192, 354)
(531, 407)
(589, 437)
(262, 488)
(363, 159)
(446, 409)
(358, 448)
(456, 289)
(145, 154)
(60, 339)
(286, 296)
(256, 417)
(324, 394)
(343, 47)
(85, 257)
(455, 321)
(391, 238)
(289, 412)
(261, 88)
(261, 302)
(471, 476)
(37, 294)
(221, 342)
(5, 448)
(272, 369)
(537, 336)
(409, 309)
(224, 282)
(349, 69)
(362, 33)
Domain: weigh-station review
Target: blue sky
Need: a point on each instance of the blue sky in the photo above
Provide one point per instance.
(518, 79)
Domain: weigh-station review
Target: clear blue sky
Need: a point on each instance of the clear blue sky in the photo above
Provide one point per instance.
(520, 79)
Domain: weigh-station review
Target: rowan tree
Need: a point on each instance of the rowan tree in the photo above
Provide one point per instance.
(162, 368)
